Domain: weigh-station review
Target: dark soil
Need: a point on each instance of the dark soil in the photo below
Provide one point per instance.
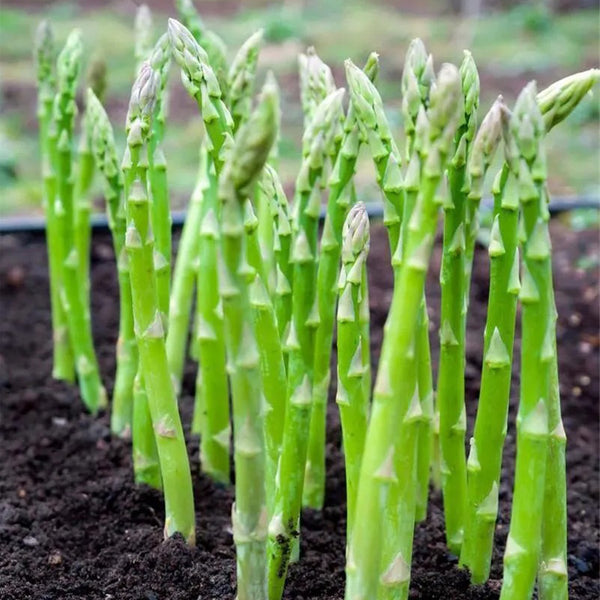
(74, 526)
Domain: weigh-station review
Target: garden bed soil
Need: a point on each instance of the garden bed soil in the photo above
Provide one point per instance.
(74, 526)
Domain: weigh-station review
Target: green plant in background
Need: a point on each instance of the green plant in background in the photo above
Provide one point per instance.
(266, 295)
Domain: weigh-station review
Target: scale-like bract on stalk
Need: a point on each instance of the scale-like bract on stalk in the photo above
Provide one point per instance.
(249, 514)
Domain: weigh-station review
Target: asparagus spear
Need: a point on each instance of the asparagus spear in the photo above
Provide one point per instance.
(319, 138)
(523, 543)
(353, 359)
(142, 34)
(340, 193)
(417, 79)
(85, 176)
(483, 465)
(211, 412)
(249, 514)
(63, 367)
(392, 395)
(454, 289)
(72, 289)
(139, 242)
(160, 61)
(103, 147)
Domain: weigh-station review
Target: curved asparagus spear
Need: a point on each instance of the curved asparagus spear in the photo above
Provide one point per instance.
(63, 367)
(454, 291)
(210, 41)
(249, 514)
(139, 242)
(340, 186)
(103, 146)
(202, 84)
(352, 317)
(319, 138)
(392, 404)
(72, 289)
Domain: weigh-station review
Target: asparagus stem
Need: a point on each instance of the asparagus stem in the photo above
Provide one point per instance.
(353, 363)
(454, 288)
(157, 177)
(552, 572)
(271, 357)
(485, 457)
(103, 146)
(72, 291)
(392, 397)
(283, 527)
(249, 513)
(417, 79)
(211, 413)
(340, 185)
(523, 544)
(201, 82)
(162, 402)
(44, 53)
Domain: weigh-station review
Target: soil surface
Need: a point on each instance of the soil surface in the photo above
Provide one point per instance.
(74, 526)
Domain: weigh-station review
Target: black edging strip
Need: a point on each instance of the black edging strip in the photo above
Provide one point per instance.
(374, 209)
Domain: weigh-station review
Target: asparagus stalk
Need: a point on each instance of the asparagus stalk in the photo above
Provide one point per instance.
(63, 367)
(523, 544)
(353, 362)
(84, 180)
(249, 513)
(271, 188)
(319, 138)
(392, 396)
(139, 242)
(211, 413)
(316, 83)
(160, 61)
(454, 291)
(556, 102)
(72, 289)
(201, 82)
(485, 457)
(103, 147)
(340, 186)
(142, 35)
(417, 79)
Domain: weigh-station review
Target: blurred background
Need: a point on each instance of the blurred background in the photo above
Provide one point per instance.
(512, 43)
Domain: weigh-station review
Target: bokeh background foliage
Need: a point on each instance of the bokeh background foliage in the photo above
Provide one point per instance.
(512, 43)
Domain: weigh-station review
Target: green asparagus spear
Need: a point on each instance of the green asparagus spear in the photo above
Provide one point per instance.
(63, 367)
(483, 465)
(523, 544)
(212, 395)
(353, 366)
(139, 242)
(340, 186)
(103, 146)
(392, 399)
(244, 164)
(454, 291)
(143, 34)
(72, 289)
(319, 139)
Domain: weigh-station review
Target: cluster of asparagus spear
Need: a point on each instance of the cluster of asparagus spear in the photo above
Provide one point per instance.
(269, 290)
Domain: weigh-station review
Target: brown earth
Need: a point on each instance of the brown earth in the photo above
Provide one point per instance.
(73, 526)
